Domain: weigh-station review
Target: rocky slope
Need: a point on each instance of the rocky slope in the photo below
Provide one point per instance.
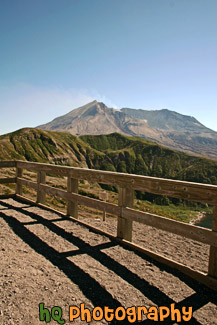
(165, 119)
(96, 118)
(177, 131)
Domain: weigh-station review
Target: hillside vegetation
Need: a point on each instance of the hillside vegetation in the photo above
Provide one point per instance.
(42, 146)
(139, 156)
(112, 152)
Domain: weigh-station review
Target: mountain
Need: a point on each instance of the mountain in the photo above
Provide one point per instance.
(114, 152)
(165, 119)
(181, 132)
(96, 118)
(168, 128)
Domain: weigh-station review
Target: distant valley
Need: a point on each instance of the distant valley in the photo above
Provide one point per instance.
(168, 128)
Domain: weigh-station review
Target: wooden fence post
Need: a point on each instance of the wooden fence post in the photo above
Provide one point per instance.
(125, 199)
(212, 269)
(19, 187)
(72, 207)
(104, 197)
(41, 179)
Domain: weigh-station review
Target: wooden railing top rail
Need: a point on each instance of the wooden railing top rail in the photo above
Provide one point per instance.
(8, 163)
(198, 192)
(179, 189)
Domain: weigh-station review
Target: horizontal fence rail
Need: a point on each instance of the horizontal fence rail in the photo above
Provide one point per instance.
(127, 183)
(202, 235)
(179, 189)
(8, 164)
(8, 180)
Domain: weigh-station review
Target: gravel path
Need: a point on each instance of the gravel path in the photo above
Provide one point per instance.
(48, 259)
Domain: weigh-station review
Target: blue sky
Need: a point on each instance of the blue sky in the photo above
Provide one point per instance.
(151, 54)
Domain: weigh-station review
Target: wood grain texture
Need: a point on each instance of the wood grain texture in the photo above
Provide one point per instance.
(28, 183)
(185, 190)
(83, 200)
(19, 187)
(72, 207)
(127, 214)
(41, 179)
(199, 234)
(124, 227)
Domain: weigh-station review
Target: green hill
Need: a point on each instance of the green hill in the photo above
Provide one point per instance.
(43, 146)
(139, 156)
(113, 152)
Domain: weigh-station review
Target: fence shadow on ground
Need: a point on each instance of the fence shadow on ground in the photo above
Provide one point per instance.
(98, 295)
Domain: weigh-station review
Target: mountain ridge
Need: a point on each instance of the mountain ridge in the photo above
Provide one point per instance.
(168, 128)
(116, 120)
(162, 115)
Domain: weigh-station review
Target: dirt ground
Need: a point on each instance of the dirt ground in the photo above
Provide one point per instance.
(48, 259)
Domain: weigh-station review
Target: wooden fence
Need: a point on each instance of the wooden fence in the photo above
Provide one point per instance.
(127, 183)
